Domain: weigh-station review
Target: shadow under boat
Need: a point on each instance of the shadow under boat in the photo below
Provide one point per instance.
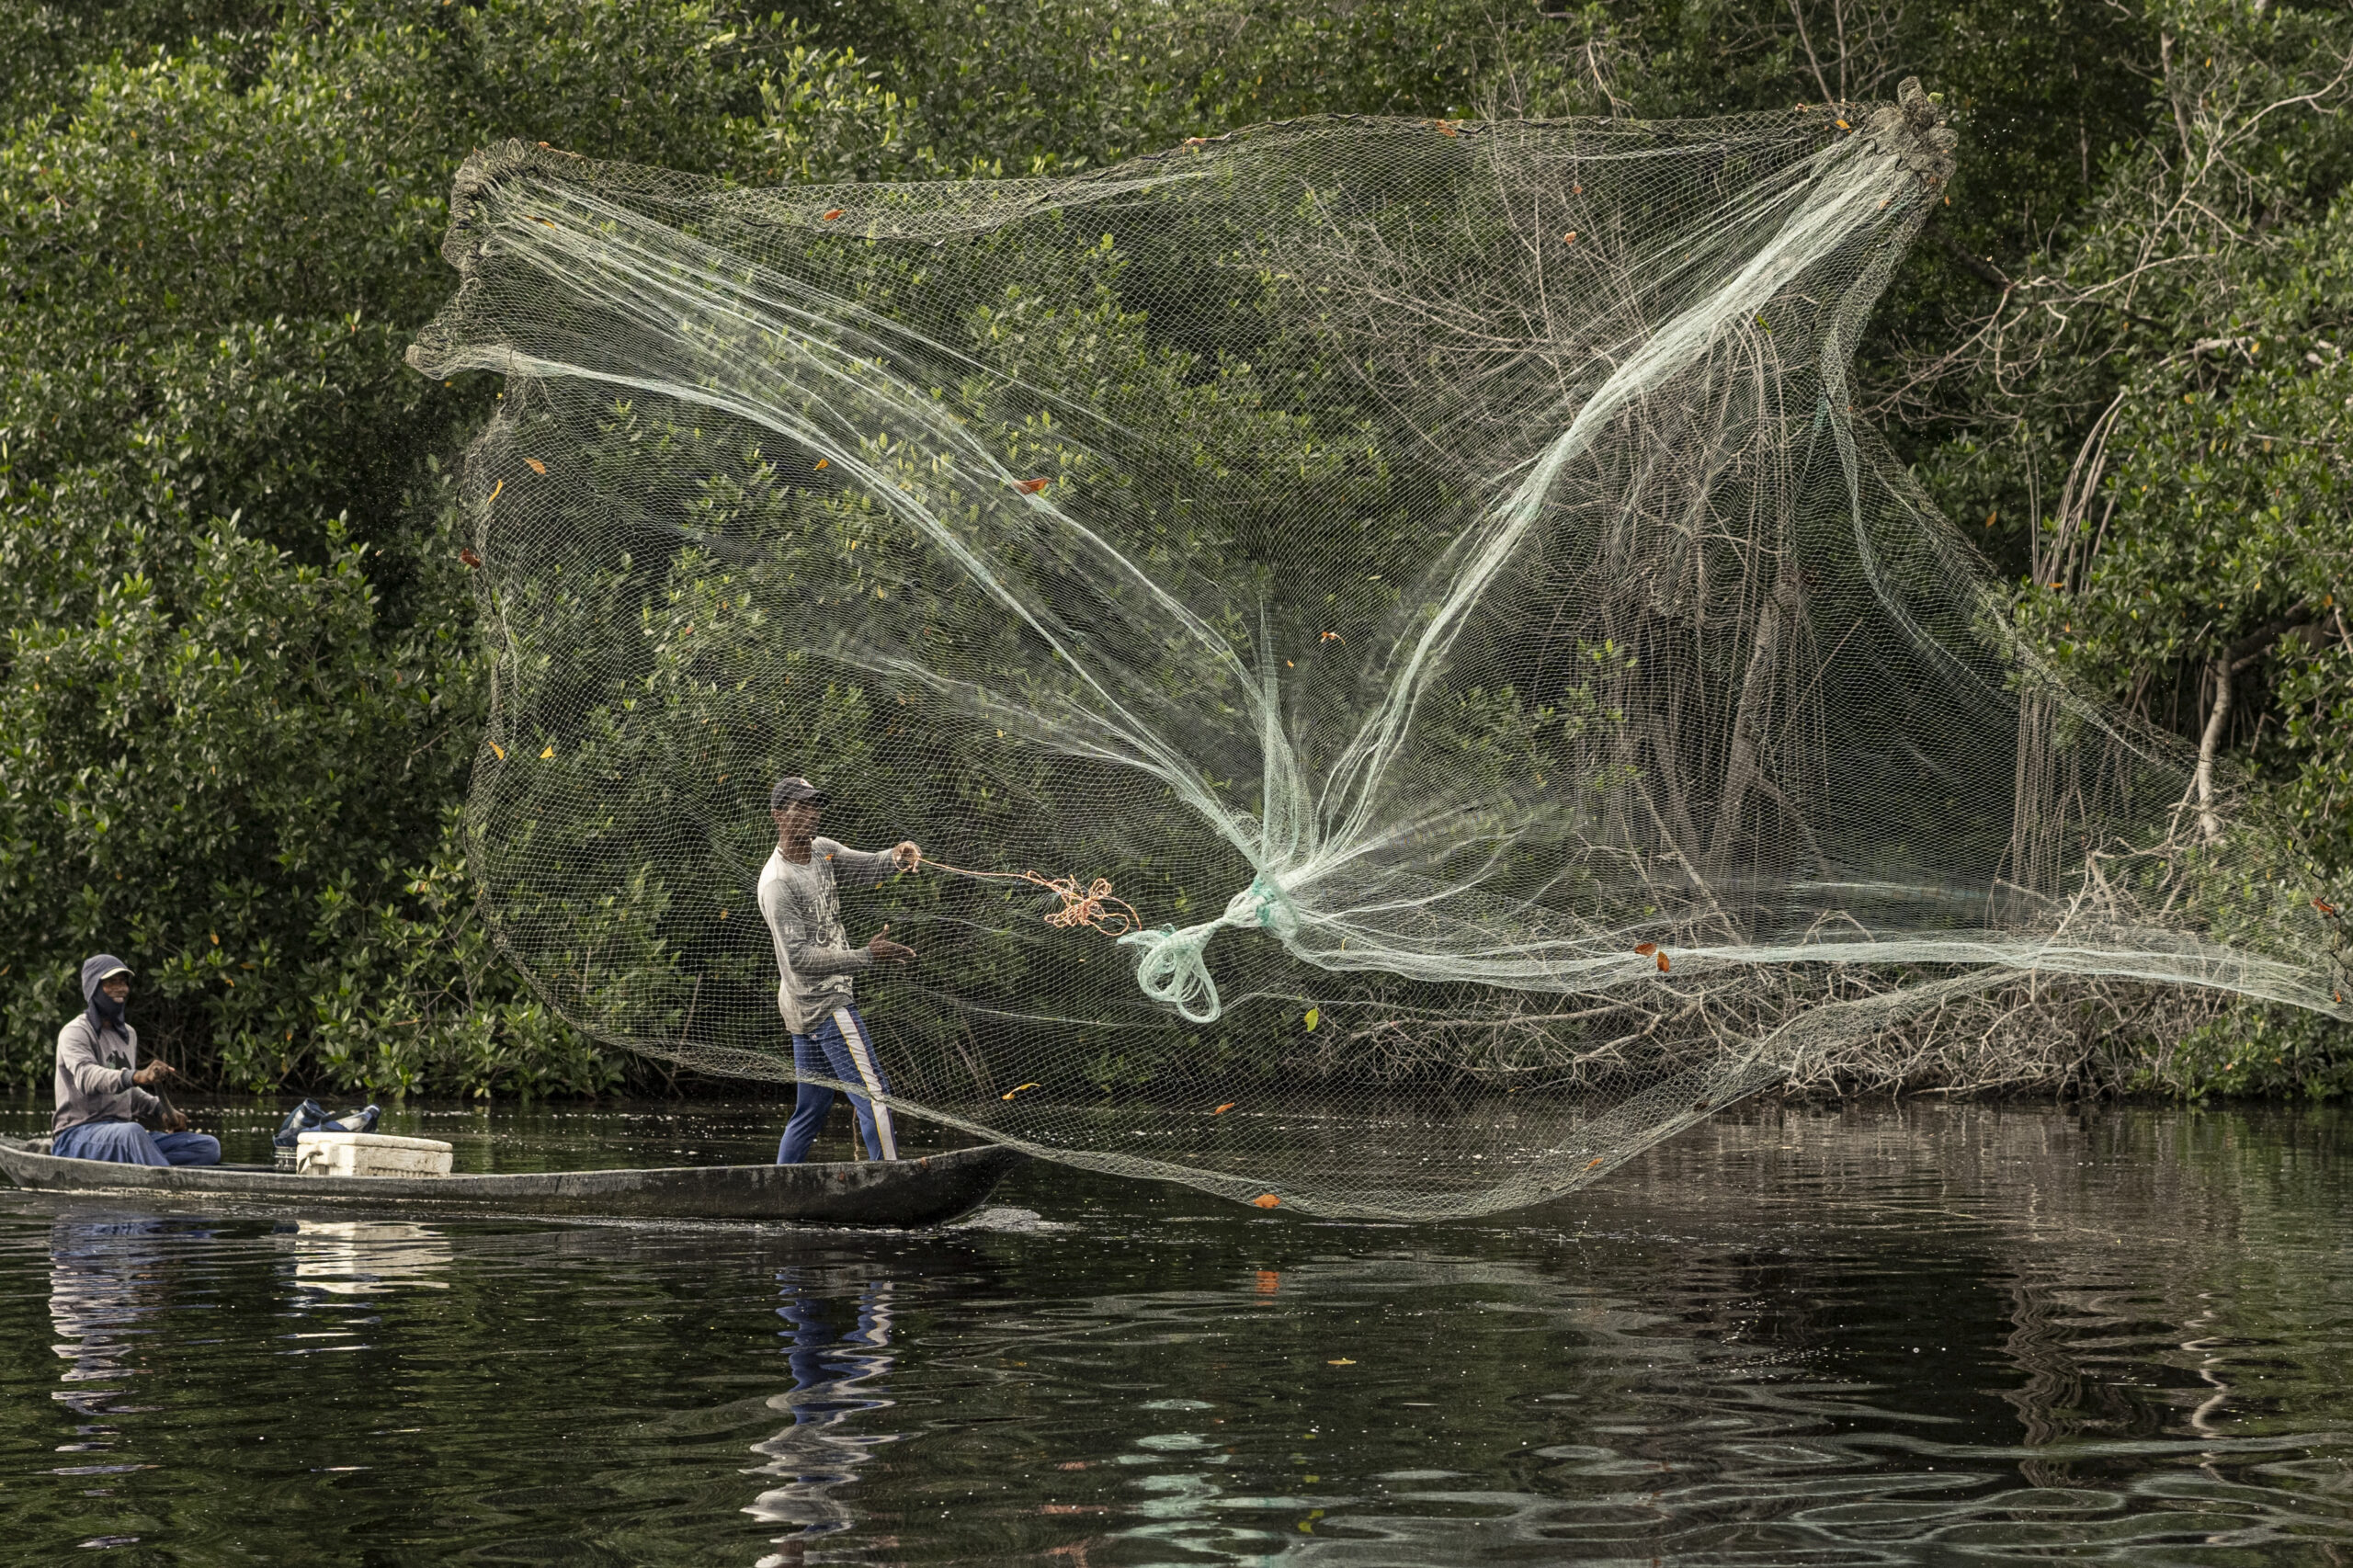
(894, 1193)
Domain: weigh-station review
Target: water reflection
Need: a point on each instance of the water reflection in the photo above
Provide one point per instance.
(107, 1289)
(357, 1258)
(837, 1383)
(1893, 1337)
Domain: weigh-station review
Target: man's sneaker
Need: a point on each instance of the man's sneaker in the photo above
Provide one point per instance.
(303, 1118)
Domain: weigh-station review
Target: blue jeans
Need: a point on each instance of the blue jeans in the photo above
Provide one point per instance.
(838, 1048)
(128, 1144)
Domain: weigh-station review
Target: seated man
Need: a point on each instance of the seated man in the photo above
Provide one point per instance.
(100, 1087)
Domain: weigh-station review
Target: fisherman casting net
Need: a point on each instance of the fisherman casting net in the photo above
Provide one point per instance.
(1425, 684)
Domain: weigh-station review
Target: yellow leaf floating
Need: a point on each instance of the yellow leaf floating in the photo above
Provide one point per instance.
(1014, 1090)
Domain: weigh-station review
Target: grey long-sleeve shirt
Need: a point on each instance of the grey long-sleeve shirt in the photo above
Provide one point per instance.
(813, 959)
(90, 1090)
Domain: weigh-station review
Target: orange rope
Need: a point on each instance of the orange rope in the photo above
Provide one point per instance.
(1092, 906)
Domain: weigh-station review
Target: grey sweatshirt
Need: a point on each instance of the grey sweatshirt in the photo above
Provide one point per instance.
(90, 1090)
(813, 959)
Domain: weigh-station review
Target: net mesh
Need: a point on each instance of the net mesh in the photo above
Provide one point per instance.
(1412, 682)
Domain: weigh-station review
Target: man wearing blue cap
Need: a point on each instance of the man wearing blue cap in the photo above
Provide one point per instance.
(102, 1090)
(814, 965)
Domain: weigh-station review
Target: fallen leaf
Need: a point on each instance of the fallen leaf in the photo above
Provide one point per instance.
(824, 464)
(2323, 907)
(535, 465)
(470, 558)
(1341, 1361)
(1444, 128)
(830, 214)
(1264, 1200)
(1569, 238)
(498, 751)
(1314, 1017)
(493, 491)
(1031, 486)
(1223, 1109)
(1646, 948)
(1663, 965)
(1270, 1281)
(547, 754)
(1014, 1090)
(1595, 1161)
(1844, 126)
(1071, 1464)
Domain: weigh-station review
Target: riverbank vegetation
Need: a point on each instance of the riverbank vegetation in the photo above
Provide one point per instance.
(239, 696)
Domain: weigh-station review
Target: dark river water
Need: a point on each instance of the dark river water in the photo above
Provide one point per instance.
(1919, 1336)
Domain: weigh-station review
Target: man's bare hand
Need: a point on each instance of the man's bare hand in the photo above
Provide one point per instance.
(906, 855)
(153, 1073)
(888, 951)
(174, 1122)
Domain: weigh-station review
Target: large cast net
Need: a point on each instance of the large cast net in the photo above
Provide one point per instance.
(1424, 683)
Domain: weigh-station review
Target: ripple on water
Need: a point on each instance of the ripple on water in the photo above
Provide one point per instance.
(1895, 1336)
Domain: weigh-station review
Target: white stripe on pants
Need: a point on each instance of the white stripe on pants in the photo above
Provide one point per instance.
(862, 1053)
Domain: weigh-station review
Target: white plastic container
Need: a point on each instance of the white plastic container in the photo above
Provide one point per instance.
(369, 1155)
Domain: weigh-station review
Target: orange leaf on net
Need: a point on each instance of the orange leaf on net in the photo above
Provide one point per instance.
(1663, 965)
(1595, 1161)
(1031, 486)
(1569, 238)
(2323, 907)
(1647, 948)
(535, 465)
(1223, 1109)
(1264, 1200)
(470, 558)
(830, 214)
(824, 462)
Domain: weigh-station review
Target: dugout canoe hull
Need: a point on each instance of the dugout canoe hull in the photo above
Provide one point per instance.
(899, 1194)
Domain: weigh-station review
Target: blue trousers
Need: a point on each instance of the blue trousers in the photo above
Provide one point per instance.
(839, 1048)
(128, 1144)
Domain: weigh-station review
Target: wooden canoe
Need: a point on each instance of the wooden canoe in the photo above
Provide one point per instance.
(899, 1193)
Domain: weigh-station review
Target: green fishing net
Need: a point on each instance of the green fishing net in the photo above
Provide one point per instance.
(1410, 680)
